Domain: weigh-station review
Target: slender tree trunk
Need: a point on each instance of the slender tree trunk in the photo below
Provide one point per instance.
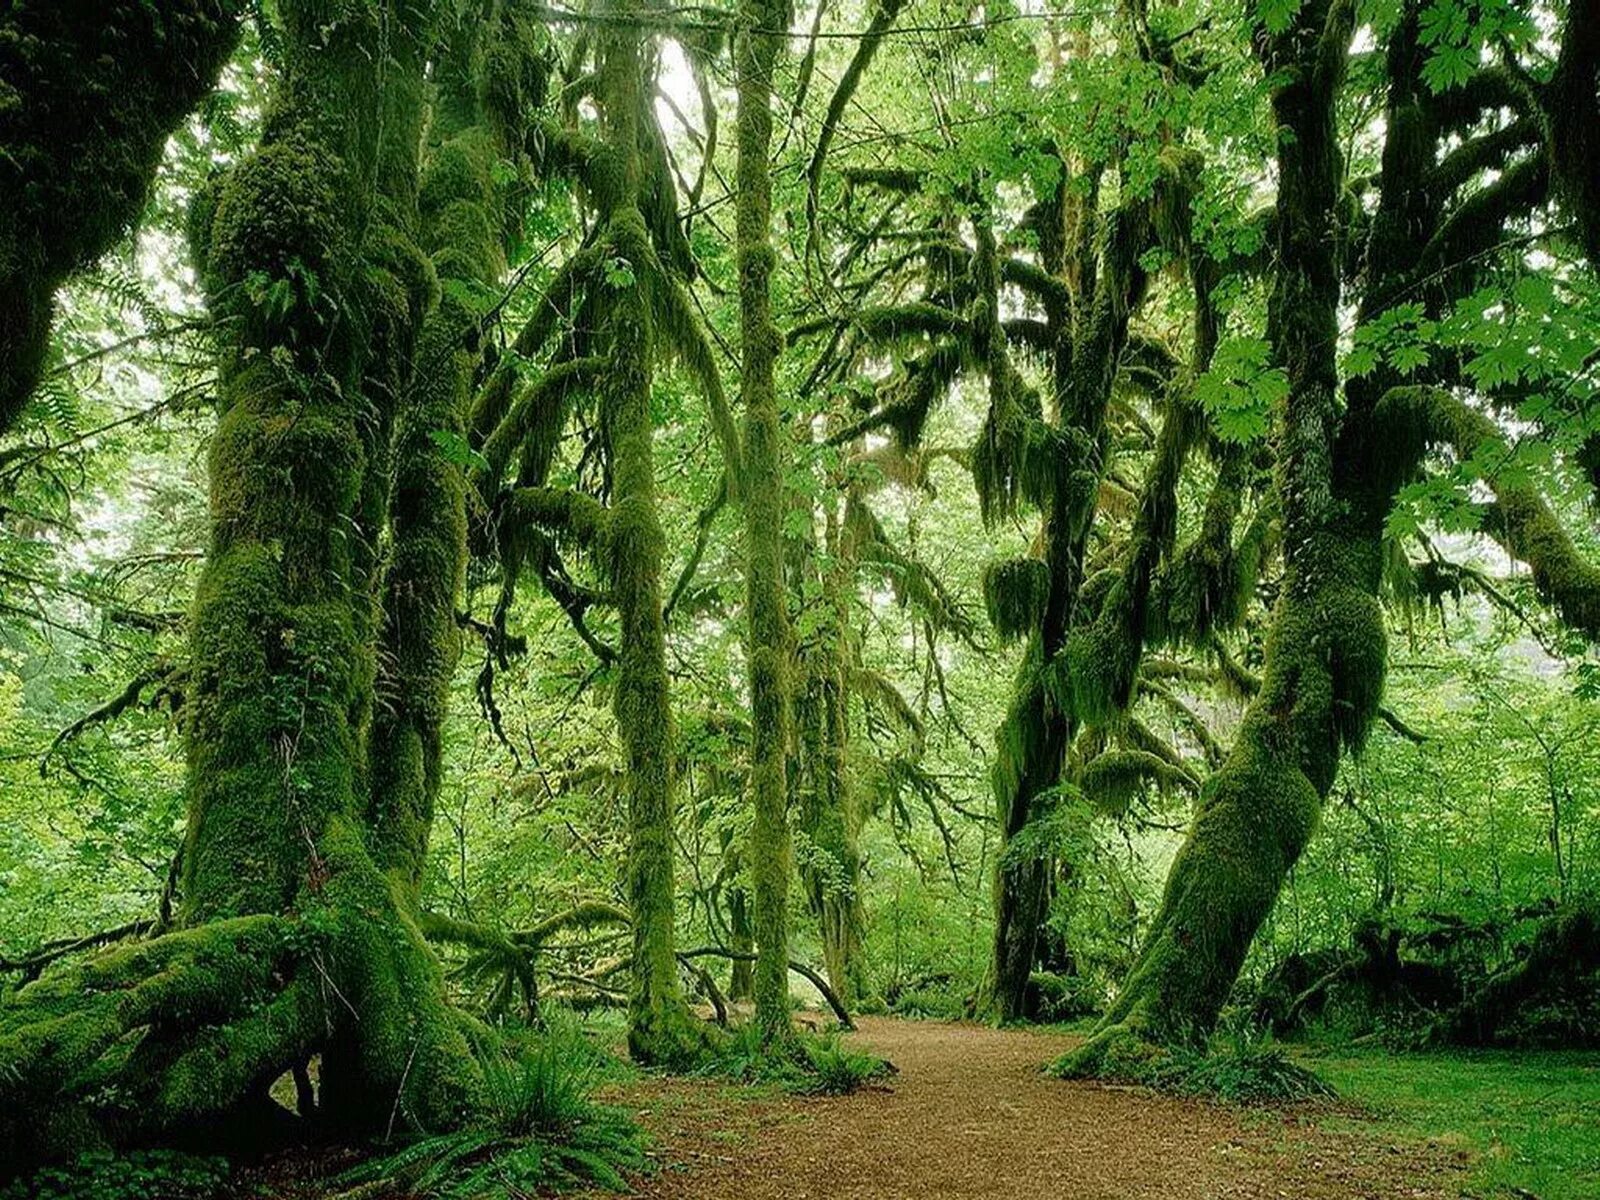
(768, 650)
(829, 810)
(661, 1028)
(462, 227)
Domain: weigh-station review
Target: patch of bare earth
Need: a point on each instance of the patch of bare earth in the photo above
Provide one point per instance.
(971, 1115)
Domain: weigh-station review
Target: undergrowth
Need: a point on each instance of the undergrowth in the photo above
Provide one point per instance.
(543, 1131)
(1240, 1066)
(140, 1175)
(1236, 1072)
(807, 1065)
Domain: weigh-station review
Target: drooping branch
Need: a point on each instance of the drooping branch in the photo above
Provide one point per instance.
(883, 19)
(1519, 519)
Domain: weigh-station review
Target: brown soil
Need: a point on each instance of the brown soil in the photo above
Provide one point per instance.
(970, 1115)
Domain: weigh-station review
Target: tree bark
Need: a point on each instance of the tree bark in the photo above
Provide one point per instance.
(768, 648)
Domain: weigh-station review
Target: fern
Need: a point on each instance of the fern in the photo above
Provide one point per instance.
(541, 1130)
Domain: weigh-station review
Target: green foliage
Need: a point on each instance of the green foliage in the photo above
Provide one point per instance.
(139, 1175)
(1235, 1067)
(1239, 1072)
(1240, 389)
(805, 1064)
(540, 1129)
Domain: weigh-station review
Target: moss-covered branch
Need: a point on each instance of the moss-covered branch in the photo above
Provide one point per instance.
(89, 94)
(1520, 519)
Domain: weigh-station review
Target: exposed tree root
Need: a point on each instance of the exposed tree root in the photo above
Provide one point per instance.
(181, 1038)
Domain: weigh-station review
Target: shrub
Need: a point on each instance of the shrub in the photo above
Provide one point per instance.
(140, 1175)
(542, 1130)
(808, 1065)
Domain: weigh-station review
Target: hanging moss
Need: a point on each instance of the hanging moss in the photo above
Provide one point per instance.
(1015, 592)
(1111, 780)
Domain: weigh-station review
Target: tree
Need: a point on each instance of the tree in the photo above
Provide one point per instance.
(768, 643)
(89, 94)
(293, 940)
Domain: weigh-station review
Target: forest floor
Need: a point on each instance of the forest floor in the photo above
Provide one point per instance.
(970, 1115)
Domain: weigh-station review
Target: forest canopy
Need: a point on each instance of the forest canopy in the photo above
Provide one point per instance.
(1021, 512)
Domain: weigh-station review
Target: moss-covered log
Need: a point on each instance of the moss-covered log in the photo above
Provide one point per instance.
(90, 90)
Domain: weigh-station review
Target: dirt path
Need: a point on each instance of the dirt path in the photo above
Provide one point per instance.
(969, 1115)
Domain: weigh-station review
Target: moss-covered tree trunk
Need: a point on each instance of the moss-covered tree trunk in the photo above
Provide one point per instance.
(488, 82)
(768, 651)
(1088, 335)
(1325, 651)
(294, 941)
(309, 250)
(661, 1028)
(827, 803)
(90, 90)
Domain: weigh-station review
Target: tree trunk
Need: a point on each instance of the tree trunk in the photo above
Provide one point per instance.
(1326, 648)
(829, 810)
(768, 649)
(462, 227)
(661, 1029)
(294, 939)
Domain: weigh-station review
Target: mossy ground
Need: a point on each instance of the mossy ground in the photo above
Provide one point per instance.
(1529, 1119)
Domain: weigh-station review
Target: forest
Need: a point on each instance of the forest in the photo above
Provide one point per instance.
(930, 598)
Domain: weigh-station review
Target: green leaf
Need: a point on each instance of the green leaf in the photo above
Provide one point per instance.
(456, 451)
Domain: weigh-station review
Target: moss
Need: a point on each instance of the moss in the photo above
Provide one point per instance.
(1111, 780)
(464, 229)
(1015, 592)
(91, 93)
(1094, 676)
(71, 1078)
(279, 210)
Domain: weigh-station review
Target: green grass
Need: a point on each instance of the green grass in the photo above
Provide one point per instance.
(1531, 1119)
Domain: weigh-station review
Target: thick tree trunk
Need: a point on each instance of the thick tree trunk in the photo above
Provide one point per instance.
(90, 90)
(768, 649)
(295, 941)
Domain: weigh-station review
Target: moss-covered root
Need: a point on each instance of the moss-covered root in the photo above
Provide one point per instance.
(177, 1041)
(64, 1037)
(89, 92)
